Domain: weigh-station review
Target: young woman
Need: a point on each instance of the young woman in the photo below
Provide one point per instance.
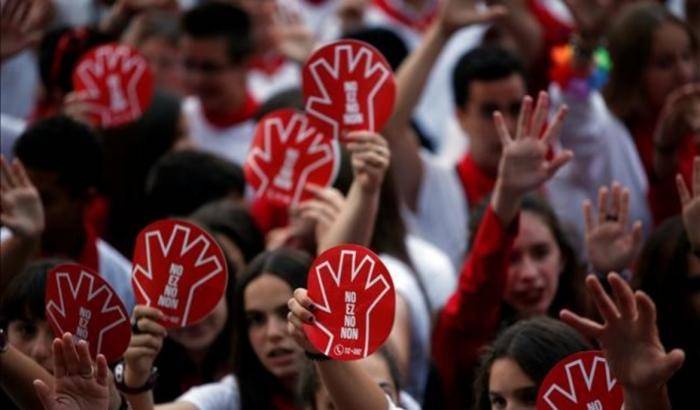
(266, 359)
(519, 359)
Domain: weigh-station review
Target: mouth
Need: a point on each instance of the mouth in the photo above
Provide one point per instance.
(531, 297)
(281, 356)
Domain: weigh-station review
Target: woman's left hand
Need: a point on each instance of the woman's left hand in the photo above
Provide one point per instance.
(78, 384)
(300, 308)
(629, 336)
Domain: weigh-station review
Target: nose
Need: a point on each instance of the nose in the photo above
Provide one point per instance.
(276, 328)
(527, 271)
(686, 71)
(42, 351)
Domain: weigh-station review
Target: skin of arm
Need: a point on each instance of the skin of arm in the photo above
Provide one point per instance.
(17, 372)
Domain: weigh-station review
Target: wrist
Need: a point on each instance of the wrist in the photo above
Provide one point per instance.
(131, 379)
(505, 202)
(641, 399)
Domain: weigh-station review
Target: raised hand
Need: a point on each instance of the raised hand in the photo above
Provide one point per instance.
(629, 338)
(591, 16)
(300, 312)
(294, 39)
(22, 211)
(524, 165)
(370, 159)
(679, 117)
(78, 384)
(691, 205)
(145, 344)
(323, 210)
(457, 14)
(610, 244)
(20, 25)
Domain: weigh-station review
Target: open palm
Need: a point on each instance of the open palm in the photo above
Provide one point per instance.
(22, 211)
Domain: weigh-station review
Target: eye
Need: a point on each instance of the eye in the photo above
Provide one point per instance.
(488, 109)
(255, 319)
(497, 401)
(540, 252)
(26, 330)
(282, 312)
(514, 108)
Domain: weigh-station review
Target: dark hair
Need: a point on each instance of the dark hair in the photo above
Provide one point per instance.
(570, 292)
(663, 272)
(310, 384)
(182, 181)
(130, 151)
(235, 222)
(484, 63)
(536, 345)
(24, 298)
(154, 23)
(289, 98)
(630, 43)
(257, 385)
(392, 47)
(59, 52)
(218, 19)
(66, 147)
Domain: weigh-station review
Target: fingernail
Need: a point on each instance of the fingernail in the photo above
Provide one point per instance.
(312, 307)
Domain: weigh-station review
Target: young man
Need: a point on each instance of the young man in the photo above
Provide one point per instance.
(216, 46)
(63, 159)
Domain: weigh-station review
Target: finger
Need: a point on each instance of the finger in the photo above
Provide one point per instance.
(583, 325)
(59, 362)
(625, 297)
(143, 311)
(331, 196)
(84, 360)
(671, 363)
(554, 128)
(588, 216)
(102, 370)
(646, 312)
(20, 17)
(523, 128)
(326, 211)
(615, 193)
(501, 128)
(8, 179)
(70, 355)
(540, 116)
(605, 305)
(151, 327)
(558, 162)
(148, 341)
(371, 158)
(44, 393)
(300, 311)
(317, 217)
(361, 136)
(138, 352)
(296, 321)
(637, 236)
(602, 204)
(696, 176)
(682, 190)
(21, 173)
(624, 207)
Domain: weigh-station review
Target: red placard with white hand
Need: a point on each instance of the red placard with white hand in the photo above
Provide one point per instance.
(179, 269)
(355, 301)
(348, 86)
(286, 154)
(81, 302)
(582, 381)
(116, 84)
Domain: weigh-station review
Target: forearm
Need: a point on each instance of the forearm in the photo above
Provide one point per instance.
(116, 20)
(525, 29)
(15, 253)
(505, 204)
(17, 374)
(653, 400)
(344, 380)
(143, 401)
(355, 223)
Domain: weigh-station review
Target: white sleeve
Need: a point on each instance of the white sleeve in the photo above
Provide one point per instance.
(442, 214)
(603, 152)
(222, 395)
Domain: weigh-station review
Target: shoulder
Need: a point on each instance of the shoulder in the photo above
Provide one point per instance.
(221, 395)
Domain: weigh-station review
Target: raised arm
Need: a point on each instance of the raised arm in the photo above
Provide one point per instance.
(23, 214)
(17, 373)
(411, 79)
(630, 339)
(343, 380)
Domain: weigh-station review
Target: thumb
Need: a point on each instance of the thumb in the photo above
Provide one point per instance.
(43, 392)
(671, 363)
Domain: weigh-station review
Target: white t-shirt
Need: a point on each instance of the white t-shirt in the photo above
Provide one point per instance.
(231, 143)
(224, 395)
(114, 267)
(407, 287)
(442, 214)
(434, 269)
(264, 85)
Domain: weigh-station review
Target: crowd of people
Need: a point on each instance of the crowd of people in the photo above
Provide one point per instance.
(534, 194)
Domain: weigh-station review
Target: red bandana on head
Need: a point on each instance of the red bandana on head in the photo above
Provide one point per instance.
(399, 11)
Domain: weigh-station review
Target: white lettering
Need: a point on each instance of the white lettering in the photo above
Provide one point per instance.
(117, 102)
(352, 115)
(284, 180)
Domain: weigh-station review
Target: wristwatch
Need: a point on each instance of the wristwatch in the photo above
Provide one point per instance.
(122, 387)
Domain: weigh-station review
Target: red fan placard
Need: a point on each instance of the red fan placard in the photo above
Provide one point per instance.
(80, 301)
(348, 86)
(582, 381)
(355, 301)
(116, 84)
(179, 269)
(286, 154)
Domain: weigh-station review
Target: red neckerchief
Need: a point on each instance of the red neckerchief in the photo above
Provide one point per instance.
(268, 63)
(555, 31)
(417, 21)
(246, 111)
(477, 184)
